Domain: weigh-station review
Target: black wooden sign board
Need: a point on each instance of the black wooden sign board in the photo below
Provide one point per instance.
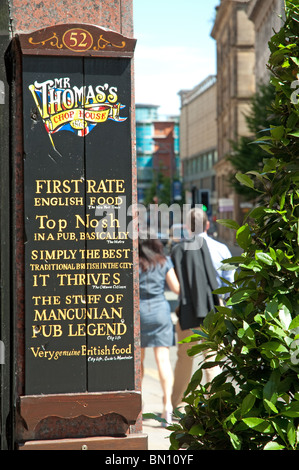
(78, 247)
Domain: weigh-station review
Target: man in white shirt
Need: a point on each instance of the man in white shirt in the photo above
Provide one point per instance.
(199, 225)
(218, 251)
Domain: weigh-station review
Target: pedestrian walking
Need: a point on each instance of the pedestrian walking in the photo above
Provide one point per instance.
(157, 331)
(197, 278)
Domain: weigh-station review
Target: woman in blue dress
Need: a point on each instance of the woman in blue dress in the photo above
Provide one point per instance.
(155, 272)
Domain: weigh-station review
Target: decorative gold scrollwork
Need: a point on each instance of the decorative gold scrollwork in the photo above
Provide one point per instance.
(54, 41)
(103, 43)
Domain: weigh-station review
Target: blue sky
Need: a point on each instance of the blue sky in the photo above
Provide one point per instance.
(174, 49)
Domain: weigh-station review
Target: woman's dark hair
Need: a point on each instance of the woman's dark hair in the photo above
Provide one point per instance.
(150, 253)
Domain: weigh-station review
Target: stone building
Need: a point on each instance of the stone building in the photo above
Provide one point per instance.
(235, 37)
(242, 29)
(266, 16)
(198, 142)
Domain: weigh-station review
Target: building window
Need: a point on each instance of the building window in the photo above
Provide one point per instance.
(144, 140)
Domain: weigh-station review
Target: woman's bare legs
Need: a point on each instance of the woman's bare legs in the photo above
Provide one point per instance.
(165, 374)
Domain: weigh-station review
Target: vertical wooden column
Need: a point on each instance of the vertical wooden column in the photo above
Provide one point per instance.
(77, 334)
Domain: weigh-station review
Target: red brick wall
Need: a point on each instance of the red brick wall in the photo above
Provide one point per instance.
(164, 157)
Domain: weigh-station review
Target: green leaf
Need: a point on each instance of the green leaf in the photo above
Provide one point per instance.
(267, 149)
(153, 416)
(277, 132)
(291, 267)
(294, 134)
(228, 223)
(264, 257)
(236, 442)
(270, 164)
(196, 337)
(259, 319)
(274, 363)
(270, 405)
(273, 446)
(175, 444)
(282, 201)
(273, 346)
(256, 392)
(231, 419)
(234, 260)
(240, 296)
(195, 380)
(245, 350)
(277, 331)
(294, 323)
(245, 179)
(291, 433)
(272, 307)
(272, 253)
(199, 348)
(197, 430)
(243, 237)
(285, 317)
(247, 404)
(258, 424)
(222, 290)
